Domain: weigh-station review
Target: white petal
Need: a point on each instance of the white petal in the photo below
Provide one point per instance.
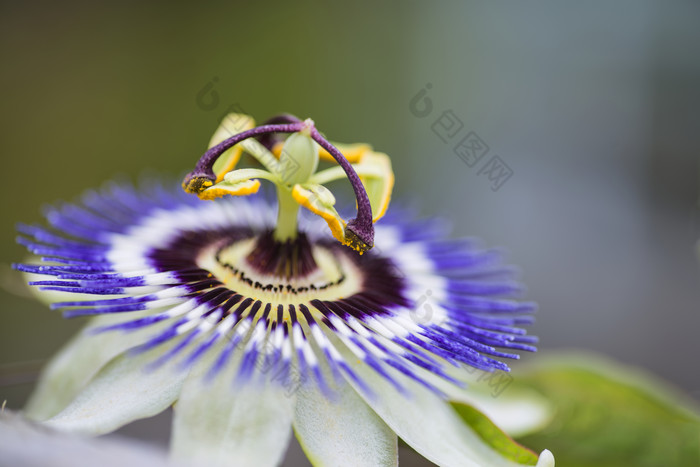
(343, 432)
(217, 423)
(425, 421)
(78, 361)
(123, 391)
(517, 411)
(24, 444)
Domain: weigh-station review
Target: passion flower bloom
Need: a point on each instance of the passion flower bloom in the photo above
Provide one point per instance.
(250, 318)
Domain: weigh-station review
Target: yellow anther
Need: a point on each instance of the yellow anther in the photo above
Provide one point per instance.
(316, 201)
(245, 188)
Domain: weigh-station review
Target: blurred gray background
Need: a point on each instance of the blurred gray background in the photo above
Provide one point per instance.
(593, 106)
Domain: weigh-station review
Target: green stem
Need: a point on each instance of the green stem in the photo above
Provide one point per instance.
(287, 212)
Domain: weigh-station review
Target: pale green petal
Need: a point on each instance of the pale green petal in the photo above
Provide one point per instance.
(123, 391)
(79, 360)
(217, 424)
(345, 432)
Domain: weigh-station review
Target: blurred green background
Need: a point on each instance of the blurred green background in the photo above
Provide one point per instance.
(595, 107)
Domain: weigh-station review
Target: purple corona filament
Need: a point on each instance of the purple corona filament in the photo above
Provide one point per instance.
(359, 231)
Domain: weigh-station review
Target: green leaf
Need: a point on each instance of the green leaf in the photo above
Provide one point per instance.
(610, 415)
(494, 436)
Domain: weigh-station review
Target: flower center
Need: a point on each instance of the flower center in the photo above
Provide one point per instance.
(282, 273)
